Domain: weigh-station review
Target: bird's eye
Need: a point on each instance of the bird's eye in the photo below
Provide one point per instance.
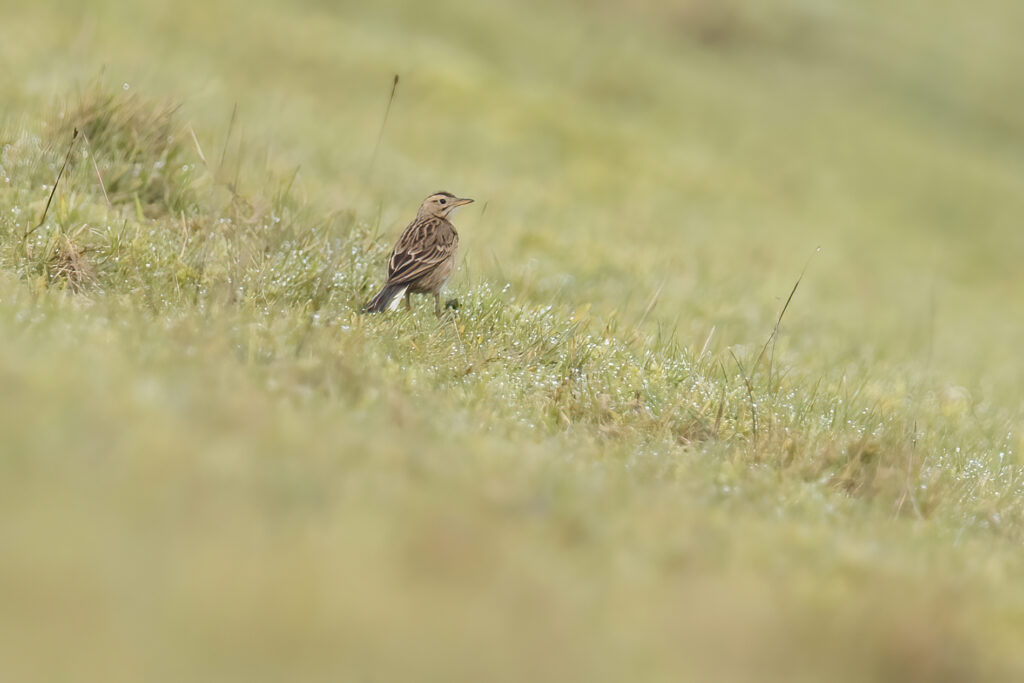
(444, 201)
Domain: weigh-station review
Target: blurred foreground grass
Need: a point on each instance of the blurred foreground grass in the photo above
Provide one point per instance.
(215, 469)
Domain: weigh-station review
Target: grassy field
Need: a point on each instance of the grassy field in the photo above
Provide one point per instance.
(604, 465)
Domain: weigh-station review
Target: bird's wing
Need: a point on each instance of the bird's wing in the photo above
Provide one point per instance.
(423, 246)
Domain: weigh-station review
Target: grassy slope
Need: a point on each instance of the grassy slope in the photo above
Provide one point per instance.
(214, 465)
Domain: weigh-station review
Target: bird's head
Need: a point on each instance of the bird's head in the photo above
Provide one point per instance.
(441, 204)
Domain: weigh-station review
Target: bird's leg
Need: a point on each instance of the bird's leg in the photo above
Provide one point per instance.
(408, 306)
(437, 304)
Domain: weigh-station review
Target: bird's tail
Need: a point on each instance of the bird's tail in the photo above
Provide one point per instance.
(390, 294)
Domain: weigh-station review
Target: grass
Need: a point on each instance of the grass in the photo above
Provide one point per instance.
(619, 460)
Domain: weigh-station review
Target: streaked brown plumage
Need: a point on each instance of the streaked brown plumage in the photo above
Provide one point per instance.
(424, 256)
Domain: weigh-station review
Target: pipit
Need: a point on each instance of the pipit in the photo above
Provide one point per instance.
(424, 256)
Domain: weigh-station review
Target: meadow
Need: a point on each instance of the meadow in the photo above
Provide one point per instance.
(732, 391)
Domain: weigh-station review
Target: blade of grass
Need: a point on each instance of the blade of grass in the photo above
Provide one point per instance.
(380, 133)
(778, 322)
(60, 173)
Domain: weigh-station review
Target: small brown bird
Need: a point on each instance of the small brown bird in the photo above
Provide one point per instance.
(424, 256)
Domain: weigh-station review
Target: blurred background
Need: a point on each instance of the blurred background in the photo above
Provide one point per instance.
(671, 163)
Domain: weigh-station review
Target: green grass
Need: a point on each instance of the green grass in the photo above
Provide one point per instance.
(215, 468)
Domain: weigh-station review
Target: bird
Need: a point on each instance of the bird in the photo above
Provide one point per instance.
(424, 256)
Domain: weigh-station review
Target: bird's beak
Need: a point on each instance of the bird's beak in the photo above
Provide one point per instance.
(461, 202)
